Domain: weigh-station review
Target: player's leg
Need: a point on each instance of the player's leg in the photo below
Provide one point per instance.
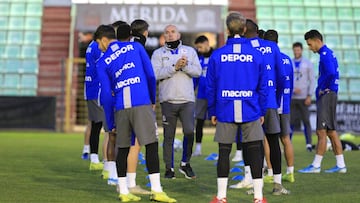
(200, 115)
(86, 148)
(187, 120)
(144, 126)
(305, 117)
(269, 178)
(288, 147)
(238, 154)
(169, 115)
(253, 136)
(225, 135)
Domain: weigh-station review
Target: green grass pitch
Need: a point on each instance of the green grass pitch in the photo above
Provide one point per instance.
(46, 167)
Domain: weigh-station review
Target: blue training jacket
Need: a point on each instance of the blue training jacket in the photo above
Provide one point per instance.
(125, 70)
(236, 83)
(93, 53)
(288, 85)
(328, 71)
(200, 82)
(274, 69)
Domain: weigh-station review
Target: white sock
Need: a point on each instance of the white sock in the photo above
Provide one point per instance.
(238, 153)
(222, 187)
(258, 188)
(247, 174)
(112, 170)
(183, 164)
(317, 161)
(106, 166)
(265, 163)
(94, 158)
(131, 179)
(86, 149)
(155, 182)
(270, 172)
(277, 178)
(123, 185)
(340, 162)
(290, 169)
(198, 147)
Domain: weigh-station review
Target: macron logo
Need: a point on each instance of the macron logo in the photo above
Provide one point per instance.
(127, 82)
(236, 93)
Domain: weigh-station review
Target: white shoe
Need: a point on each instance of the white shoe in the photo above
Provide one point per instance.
(243, 184)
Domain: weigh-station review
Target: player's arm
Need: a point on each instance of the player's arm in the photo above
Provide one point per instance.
(211, 84)
(262, 87)
(330, 72)
(106, 98)
(161, 72)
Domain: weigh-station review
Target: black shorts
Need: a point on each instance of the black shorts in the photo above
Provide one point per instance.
(326, 111)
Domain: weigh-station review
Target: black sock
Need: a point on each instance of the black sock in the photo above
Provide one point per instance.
(121, 161)
(152, 158)
(254, 155)
(199, 130)
(94, 137)
(223, 166)
(275, 153)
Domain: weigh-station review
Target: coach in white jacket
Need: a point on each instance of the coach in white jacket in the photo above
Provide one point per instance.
(175, 65)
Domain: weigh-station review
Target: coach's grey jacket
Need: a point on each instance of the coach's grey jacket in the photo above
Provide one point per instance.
(304, 78)
(176, 86)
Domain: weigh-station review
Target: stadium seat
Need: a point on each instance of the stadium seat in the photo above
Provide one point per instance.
(33, 23)
(349, 42)
(4, 22)
(12, 66)
(285, 41)
(29, 51)
(28, 81)
(16, 23)
(32, 37)
(298, 27)
(4, 8)
(2, 52)
(3, 36)
(10, 91)
(297, 13)
(266, 24)
(281, 12)
(15, 37)
(343, 3)
(328, 13)
(34, 9)
(282, 26)
(295, 3)
(313, 24)
(12, 80)
(354, 85)
(355, 3)
(12, 51)
(313, 13)
(352, 70)
(332, 41)
(351, 56)
(262, 3)
(30, 66)
(311, 3)
(356, 13)
(28, 92)
(279, 2)
(299, 38)
(357, 27)
(330, 27)
(347, 27)
(327, 3)
(263, 12)
(345, 13)
(343, 87)
(17, 9)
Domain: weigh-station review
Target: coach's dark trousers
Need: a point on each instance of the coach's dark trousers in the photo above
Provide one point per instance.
(170, 113)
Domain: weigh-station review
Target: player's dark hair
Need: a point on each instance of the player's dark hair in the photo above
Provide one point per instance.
(139, 26)
(123, 32)
(261, 33)
(235, 23)
(104, 31)
(201, 39)
(271, 35)
(251, 27)
(313, 34)
(297, 44)
(116, 24)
